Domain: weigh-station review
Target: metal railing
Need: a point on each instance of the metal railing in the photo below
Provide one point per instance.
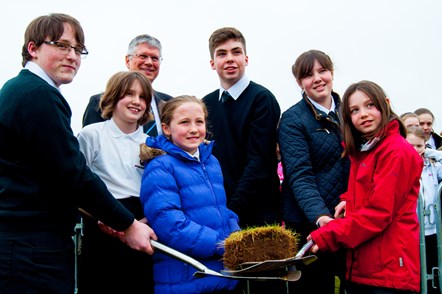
(435, 271)
(77, 242)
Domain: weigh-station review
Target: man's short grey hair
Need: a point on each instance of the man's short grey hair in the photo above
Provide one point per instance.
(141, 39)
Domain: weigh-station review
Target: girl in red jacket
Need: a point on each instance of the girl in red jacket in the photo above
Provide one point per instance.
(380, 229)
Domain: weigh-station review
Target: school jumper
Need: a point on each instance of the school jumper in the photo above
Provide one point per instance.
(244, 131)
(43, 179)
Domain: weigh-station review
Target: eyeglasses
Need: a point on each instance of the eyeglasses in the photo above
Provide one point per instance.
(144, 57)
(66, 48)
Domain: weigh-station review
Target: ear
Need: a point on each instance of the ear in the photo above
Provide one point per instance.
(166, 130)
(246, 60)
(388, 101)
(299, 84)
(127, 62)
(212, 64)
(32, 49)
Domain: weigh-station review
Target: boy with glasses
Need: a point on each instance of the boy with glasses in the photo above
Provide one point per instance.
(38, 209)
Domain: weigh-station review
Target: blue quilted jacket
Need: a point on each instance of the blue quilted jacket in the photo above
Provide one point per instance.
(315, 175)
(185, 203)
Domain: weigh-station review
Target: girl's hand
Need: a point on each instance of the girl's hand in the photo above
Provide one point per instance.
(315, 247)
(340, 209)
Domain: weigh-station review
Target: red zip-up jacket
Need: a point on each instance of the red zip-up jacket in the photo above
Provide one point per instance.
(380, 228)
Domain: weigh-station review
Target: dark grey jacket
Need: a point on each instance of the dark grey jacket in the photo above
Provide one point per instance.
(315, 175)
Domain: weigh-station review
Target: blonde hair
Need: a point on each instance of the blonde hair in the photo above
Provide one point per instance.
(417, 131)
(171, 105)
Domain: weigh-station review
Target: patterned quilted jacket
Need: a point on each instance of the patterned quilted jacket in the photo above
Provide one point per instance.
(315, 175)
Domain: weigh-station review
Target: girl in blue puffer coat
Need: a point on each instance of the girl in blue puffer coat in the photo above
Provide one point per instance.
(183, 197)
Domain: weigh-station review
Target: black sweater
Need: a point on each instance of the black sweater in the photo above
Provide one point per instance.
(43, 174)
(244, 131)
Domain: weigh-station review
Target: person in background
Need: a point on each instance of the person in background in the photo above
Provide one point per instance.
(243, 118)
(144, 54)
(430, 179)
(184, 200)
(44, 178)
(410, 119)
(426, 121)
(112, 151)
(380, 228)
(315, 173)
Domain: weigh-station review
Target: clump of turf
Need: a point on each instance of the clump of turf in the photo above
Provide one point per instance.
(259, 244)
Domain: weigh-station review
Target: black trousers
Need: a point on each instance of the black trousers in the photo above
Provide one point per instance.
(36, 263)
(319, 276)
(107, 265)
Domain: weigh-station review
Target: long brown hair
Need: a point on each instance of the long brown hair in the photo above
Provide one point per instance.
(117, 86)
(353, 139)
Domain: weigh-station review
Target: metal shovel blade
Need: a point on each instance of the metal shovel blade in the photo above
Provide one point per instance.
(271, 265)
(288, 275)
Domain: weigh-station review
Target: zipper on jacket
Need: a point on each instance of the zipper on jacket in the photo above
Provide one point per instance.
(324, 129)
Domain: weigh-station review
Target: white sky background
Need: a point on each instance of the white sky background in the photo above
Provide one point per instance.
(395, 43)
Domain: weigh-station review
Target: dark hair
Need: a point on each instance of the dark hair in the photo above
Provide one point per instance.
(223, 35)
(305, 62)
(50, 26)
(118, 85)
(420, 111)
(352, 137)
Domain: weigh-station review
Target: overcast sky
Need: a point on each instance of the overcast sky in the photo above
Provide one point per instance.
(395, 43)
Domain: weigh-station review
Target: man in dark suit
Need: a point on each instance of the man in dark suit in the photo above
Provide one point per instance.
(143, 54)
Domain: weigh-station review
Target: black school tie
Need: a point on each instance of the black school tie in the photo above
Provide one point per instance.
(225, 96)
(334, 116)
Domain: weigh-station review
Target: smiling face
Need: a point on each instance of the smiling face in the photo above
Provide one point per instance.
(229, 61)
(60, 66)
(365, 117)
(146, 59)
(187, 129)
(318, 85)
(130, 108)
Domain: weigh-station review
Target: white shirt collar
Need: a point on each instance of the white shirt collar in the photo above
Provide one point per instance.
(322, 108)
(236, 89)
(196, 154)
(116, 132)
(37, 70)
